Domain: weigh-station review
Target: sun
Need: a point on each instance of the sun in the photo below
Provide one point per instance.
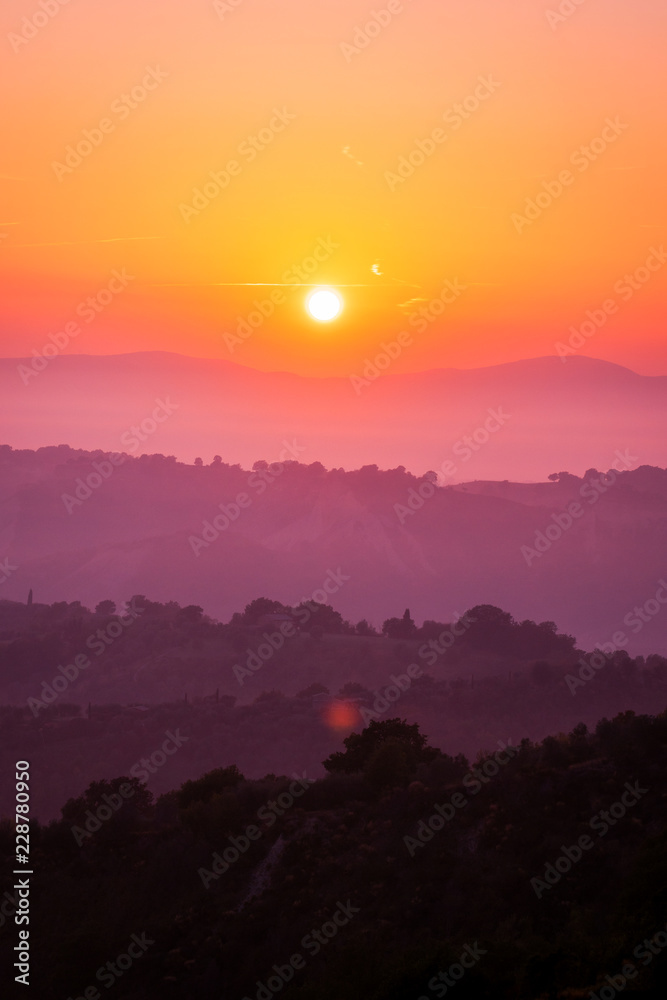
(324, 304)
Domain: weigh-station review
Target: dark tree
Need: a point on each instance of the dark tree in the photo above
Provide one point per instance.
(400, 628)
(212, 783)
(131, 805)
(259, 607)
(562, 477)
(389, 766)
(323, 618)
(361, 747)
(312, 690)
(192, 613)
(106, 608)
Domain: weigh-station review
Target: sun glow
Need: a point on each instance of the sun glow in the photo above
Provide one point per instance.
(324, 304)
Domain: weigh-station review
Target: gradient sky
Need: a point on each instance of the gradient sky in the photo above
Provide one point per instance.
(324, 176)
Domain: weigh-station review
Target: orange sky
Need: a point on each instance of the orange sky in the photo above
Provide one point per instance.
(220, 73)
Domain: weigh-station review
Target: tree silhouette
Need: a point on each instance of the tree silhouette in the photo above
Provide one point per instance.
(106, 608)
(212, 783)
(364, 628)
(361, 747)
(262, 606)
(400, 628)
(389, 766)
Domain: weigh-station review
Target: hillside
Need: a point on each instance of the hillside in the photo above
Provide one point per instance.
(468, 684)
(369, 536)
(537, 872)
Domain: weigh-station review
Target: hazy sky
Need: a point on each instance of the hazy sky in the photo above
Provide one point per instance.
(209, 76)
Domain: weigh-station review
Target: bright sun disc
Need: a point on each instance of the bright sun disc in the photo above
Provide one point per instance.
(324, 304)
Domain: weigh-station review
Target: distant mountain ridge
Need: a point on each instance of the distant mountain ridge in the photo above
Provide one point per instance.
(561, 414)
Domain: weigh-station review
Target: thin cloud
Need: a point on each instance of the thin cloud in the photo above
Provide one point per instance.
(408, 284)
(346, 151)
(270, 284)
(75, 243)
(411, 303)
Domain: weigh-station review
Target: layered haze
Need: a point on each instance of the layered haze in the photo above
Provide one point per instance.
(76, 527)
(520, 421)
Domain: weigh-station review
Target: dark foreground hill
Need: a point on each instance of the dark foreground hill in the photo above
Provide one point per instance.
(537, 873)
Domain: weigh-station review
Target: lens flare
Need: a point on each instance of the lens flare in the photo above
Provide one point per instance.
(340, 715)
